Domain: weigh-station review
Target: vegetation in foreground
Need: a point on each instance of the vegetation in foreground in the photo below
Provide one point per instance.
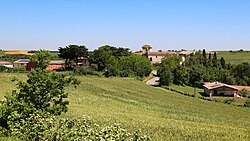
(31, 112)
(163, 114)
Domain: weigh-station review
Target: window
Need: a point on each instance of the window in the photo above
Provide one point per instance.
(155, 56)
(150, 59)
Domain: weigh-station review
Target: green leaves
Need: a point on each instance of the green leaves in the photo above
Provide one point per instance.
(43, 92)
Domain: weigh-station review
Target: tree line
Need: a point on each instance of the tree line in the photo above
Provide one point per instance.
(113, 61)
(202, 67)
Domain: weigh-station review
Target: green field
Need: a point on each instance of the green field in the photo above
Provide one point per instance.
(163, 114)
(234, 57)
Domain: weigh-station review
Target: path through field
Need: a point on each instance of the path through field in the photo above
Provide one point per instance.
(154, 80)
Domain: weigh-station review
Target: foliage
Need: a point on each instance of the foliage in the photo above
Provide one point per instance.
(47, 127)
(102, 55)
(229, 101)
(244, 93)
(181, 76)
(168, 65)
(198, 69)
(84, 70)
(42, 58)
(43, 92)
(242, 74)
(247, 104)
(133, 65)
(12, 70)
(73, 53)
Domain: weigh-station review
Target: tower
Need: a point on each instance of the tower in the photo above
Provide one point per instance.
(146, 49)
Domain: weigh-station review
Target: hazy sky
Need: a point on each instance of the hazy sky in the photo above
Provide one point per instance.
(164, 24)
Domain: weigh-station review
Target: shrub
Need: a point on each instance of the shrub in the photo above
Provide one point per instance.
(229, 101)
(94, 67)
(244, 93)
(247, 103)
(47, 127)
(83, 70)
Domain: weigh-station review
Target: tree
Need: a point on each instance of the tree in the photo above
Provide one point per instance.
(204, 55)
(223, 63)
(101, 55)
(166, 76)
(242, 73)
(43, 92)
(65, 54)
(42, 58)
(181, 75)
(73, 53)
(166, 68)
(214, 60)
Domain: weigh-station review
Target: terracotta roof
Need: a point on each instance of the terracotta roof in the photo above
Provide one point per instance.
(242, 87)
(214, 85)
(161, 53)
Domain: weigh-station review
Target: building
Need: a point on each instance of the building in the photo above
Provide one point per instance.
(219, 89)
(6, 64)
(155, 57)
(21, 62)
(54, 65)
(83, 61)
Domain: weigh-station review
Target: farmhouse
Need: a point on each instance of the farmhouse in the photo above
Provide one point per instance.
(156, 57)
(21, 62)
(54, 65)
(219, 89)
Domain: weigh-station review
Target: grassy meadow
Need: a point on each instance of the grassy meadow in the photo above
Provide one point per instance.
(162, 114)
(234, 57)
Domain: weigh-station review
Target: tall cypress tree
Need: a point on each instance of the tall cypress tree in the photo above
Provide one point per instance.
(215, 62)
(204, 57)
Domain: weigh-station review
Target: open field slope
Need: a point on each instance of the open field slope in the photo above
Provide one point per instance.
(163, 114)
(235, 57)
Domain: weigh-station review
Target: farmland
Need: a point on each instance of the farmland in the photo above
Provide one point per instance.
(235, 57)
(163, 114)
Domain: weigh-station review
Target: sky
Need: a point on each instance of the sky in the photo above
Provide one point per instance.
(163, 24)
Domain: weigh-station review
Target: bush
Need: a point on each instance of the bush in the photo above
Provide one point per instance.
(247, 103)
(83, 70)
(94, 67)
(229, 101)
(244, 93)
(47, 127)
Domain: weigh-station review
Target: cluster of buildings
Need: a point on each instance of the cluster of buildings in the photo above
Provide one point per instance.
(156, 56)
(54, 64)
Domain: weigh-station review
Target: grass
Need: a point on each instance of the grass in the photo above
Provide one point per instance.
(186, 89)
(235, 57)
(163, 114)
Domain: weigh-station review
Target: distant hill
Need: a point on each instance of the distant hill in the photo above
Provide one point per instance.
(234, 57)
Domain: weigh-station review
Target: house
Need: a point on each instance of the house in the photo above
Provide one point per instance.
(155, 57)
(54, 65)
(83, 61)
(6, 64)
(21, 62)
(219, 89)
